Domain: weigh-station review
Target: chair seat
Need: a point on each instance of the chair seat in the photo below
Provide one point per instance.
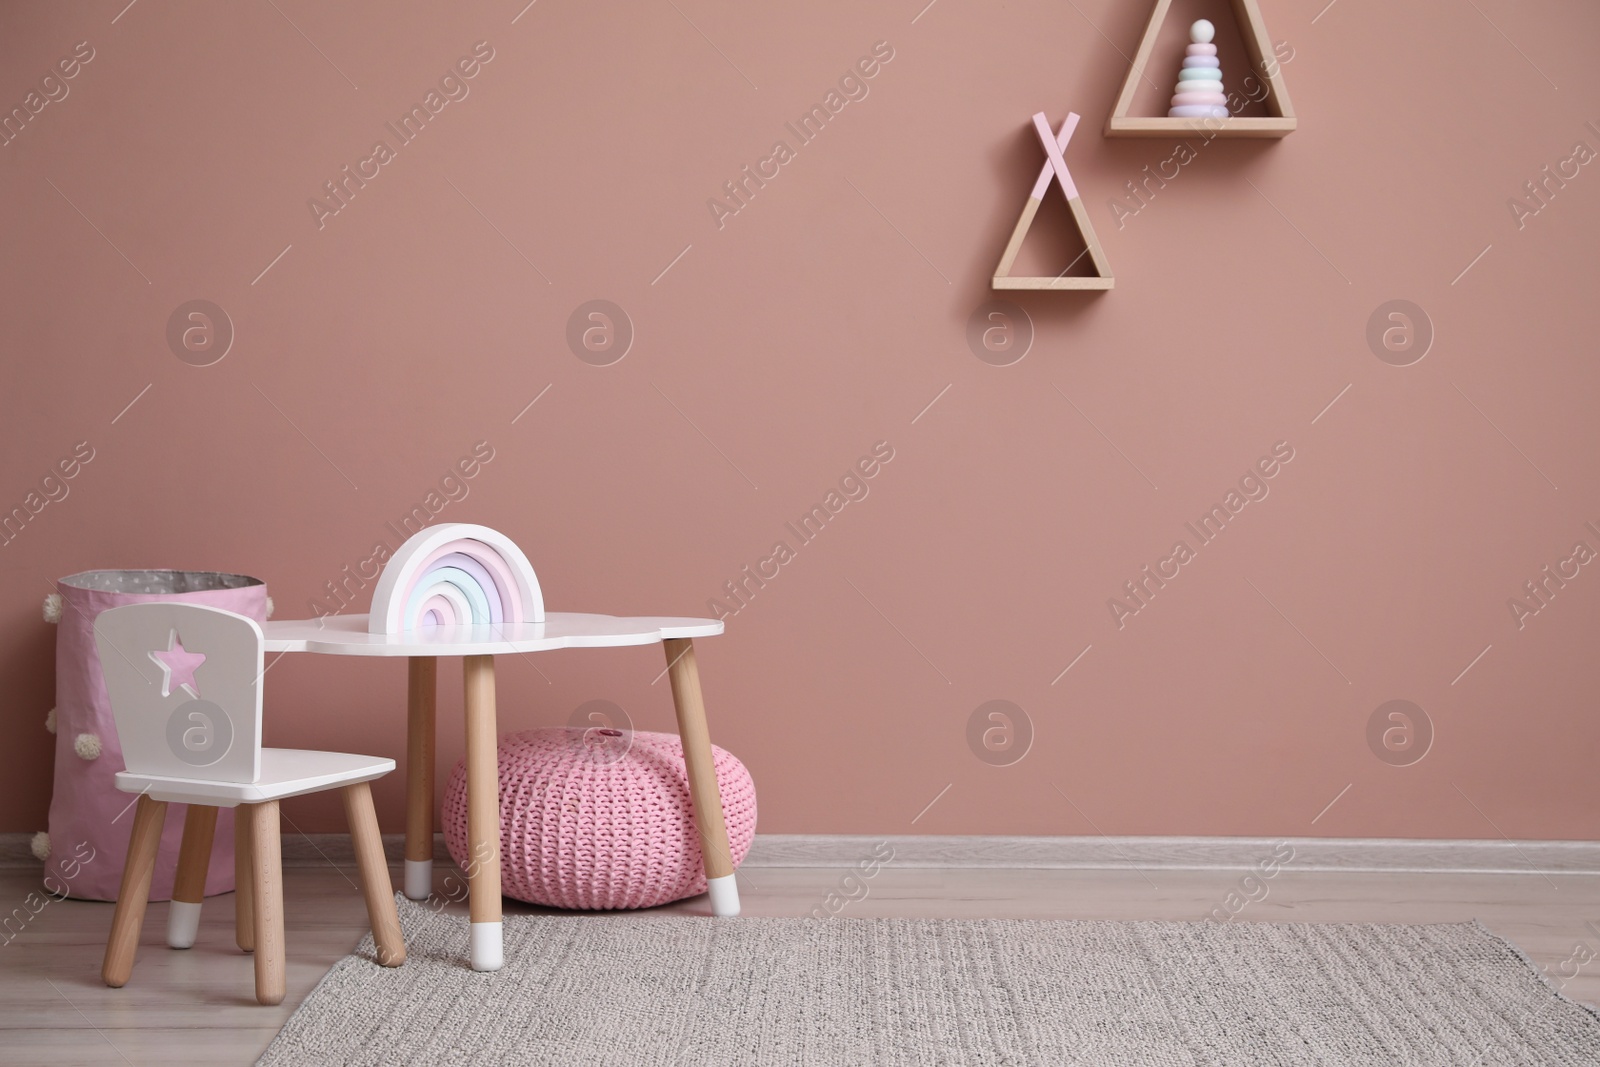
(285, 772)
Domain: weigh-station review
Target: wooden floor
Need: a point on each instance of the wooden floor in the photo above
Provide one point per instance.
(198, 1007)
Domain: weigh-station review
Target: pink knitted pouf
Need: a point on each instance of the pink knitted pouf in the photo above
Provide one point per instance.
(598, 819)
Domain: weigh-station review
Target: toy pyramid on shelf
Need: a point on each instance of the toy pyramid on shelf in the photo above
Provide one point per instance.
(1054, 171)
(1187, 116)
(1199, 94)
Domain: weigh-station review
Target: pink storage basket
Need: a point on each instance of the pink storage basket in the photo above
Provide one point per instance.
(599, 819)
(90, 818)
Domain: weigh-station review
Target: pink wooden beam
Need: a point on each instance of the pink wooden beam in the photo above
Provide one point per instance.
(1053, 144)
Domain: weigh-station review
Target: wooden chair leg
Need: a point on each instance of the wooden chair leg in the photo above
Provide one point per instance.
(704, 792)
(483, 815)
(244, 912)
(189, 887)
(363, 818)
(128, 920)
(266, 867)
(421, 698)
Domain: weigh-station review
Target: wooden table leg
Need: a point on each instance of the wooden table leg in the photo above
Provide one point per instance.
(266, 869)
(128, 919)
(421, 701)
(483, 815)
(189, 886)
(244, 893)
(363, 820)
(703, 789)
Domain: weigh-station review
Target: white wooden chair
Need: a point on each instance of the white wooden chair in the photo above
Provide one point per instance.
(185, 688)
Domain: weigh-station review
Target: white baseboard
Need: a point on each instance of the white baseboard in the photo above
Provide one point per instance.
(1055, 853)
(1182, 853)
(299, 850)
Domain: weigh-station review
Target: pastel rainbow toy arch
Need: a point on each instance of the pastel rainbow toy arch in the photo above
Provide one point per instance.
(455, 574)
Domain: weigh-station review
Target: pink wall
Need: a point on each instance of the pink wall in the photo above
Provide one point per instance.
(818, 320)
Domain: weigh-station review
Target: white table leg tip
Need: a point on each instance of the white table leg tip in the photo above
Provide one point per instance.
(488, 951)
(724, 896)
(419, 879)
(183, 924)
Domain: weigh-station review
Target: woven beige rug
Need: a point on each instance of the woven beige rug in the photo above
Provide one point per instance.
(655, 990)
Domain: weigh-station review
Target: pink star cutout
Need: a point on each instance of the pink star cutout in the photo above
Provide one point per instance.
(178, 666)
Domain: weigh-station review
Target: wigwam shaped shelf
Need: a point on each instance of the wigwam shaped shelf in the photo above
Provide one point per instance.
(1264, 67)
(1055, 172)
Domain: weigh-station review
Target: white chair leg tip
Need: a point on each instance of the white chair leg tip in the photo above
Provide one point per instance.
(183, 924)
(419, 879)
(488, 950)
(724, 896)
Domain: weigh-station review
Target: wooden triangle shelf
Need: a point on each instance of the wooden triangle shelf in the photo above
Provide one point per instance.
(1054, 171)
(1264, 66)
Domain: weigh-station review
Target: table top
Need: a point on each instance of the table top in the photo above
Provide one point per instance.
(346, 635)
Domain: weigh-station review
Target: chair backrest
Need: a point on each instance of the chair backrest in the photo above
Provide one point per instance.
(185, 687)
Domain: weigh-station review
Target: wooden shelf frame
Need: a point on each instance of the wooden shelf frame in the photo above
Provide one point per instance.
(1054, 172)
(1264, 65)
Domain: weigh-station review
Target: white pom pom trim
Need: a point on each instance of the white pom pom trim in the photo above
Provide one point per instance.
(50, 721)
(87, 746)
(52, 608)
(269, 607)
(40, 846)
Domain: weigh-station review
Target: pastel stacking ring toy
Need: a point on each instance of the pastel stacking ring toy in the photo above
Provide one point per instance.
(455, 574)
(1199, 94)
(600, 819)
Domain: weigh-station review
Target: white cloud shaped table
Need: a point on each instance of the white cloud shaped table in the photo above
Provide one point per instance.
(477, 645)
